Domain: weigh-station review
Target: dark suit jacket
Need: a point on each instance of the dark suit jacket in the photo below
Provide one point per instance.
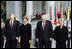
(47, 33)
(61, 34)
(12, 33)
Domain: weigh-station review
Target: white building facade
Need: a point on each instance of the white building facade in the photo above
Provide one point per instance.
(30, 7)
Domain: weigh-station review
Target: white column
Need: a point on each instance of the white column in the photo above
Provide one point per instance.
(46, 6)
(47, 11)
(18, 10)
(40, 5)
(9, 8)
(29, 10)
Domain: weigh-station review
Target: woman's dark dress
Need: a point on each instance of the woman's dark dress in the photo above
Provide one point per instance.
(25, 33)
(2, 34)
(61, 35)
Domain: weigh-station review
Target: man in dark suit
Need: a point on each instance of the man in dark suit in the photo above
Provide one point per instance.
(44, 32)
(11, 32)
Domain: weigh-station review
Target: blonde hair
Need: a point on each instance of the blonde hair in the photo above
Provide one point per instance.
(25, 17)
(2, 24)
(61, 19)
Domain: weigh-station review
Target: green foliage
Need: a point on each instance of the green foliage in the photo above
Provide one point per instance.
(3, 9)
(2, 20)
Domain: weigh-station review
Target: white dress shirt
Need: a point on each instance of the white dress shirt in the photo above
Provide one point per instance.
(42, 24)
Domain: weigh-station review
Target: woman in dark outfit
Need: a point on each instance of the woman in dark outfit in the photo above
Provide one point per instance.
(61, 35)
(2, 33)
(25, 33)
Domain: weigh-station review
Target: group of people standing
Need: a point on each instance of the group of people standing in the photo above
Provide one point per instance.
(44, 33)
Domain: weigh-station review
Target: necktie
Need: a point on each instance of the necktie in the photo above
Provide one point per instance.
(11, 24)
(43, 26)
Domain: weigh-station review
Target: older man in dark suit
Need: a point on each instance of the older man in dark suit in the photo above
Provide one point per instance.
(44, 32)
(11, 32)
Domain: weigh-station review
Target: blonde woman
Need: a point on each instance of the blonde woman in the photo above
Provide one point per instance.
(25, 33)
(61, 34)
(2, 33)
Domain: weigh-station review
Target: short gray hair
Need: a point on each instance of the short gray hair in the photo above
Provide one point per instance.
(43, 16)
(11, 14)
